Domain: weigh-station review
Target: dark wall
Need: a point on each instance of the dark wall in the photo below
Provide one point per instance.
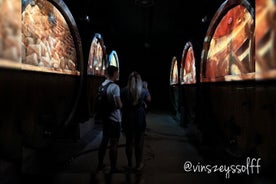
(145, 38)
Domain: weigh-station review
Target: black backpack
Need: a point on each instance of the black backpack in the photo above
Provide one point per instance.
(103, 106)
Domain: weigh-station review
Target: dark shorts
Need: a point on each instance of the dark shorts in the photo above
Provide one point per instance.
(111, 129)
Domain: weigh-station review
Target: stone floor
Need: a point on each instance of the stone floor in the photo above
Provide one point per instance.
(169, 149)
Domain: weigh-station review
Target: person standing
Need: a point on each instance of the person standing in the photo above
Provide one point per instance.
(112, 122)
(134, 97)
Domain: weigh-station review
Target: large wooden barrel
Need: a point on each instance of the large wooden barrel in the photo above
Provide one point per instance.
(227, 76)
(174, 86)
(42, 86)
(188, 87)
(264, 111)
(10, 34)
(97, 63)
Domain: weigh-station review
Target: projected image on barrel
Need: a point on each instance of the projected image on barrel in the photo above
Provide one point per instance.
(97, 56)
(47, 43)
(187, 67)
(229, 45)
(174, 72)
(265, 39)
(113, 60)
(10, 33)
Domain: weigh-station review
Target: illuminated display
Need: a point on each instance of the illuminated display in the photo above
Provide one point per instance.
(47, 43)
(37, 38)
(265, 39)
(174, 72)
(187, 67)
(97, 56)
(228, 53)
(10, 32)
(113, 60)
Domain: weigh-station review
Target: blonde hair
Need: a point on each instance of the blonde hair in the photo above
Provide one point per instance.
(134, 87)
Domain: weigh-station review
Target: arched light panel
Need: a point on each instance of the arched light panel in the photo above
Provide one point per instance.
(174, 72)
(228, 51)
(187, 66)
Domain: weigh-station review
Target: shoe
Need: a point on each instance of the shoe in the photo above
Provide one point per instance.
(140, 167)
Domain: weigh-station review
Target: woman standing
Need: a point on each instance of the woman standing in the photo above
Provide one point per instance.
(134, 96)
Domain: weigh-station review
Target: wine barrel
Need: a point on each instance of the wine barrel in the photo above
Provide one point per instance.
(10, 34)
(187, 85)
(264, 111)
(97, 63)
(174, 86)
(227, 78)
(41, 88)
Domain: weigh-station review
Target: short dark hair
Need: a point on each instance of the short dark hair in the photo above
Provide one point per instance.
(110, 70)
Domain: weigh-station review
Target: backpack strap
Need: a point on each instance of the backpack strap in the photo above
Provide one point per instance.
(104, 87)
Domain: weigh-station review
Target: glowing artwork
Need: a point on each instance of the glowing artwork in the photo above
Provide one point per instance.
(113, 59)
(10, 32)
(265, 39)
(229, 45)
(47, 43)
(97, 61)
(174, 72)
(187, 68)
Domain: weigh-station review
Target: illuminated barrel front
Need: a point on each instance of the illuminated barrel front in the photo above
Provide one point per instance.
(97, 56)
(113, 60)
(227, 76)
(264, 113)
(187, 67)
(10, 37)
(228, 50)
(10, 32)
(265, 39)
(188, 84)
(42, 75)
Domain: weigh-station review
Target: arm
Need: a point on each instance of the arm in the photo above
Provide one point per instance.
(117, 98)
(118, 101)
(148, 96)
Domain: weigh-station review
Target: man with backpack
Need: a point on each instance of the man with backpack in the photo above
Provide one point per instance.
(111, 120)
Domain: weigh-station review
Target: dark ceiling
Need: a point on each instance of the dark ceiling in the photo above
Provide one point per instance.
(146, 34)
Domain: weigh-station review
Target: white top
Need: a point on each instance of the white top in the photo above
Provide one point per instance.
(113, 90)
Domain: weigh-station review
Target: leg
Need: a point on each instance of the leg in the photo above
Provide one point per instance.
(139, 145)
(102, 150)
(114, 140)
(113, 153)
(128, 150)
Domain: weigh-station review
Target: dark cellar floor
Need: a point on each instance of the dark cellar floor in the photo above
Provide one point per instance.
(168, 147)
